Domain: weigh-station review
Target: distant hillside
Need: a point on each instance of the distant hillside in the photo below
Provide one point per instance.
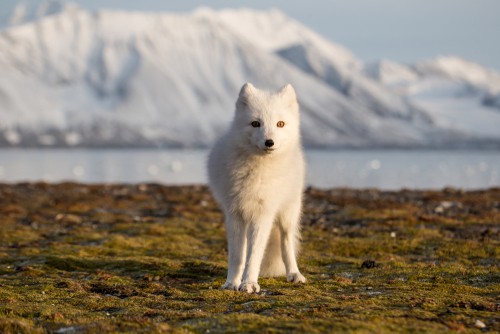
(73, 77)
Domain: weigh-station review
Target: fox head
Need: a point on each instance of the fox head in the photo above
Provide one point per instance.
(267, 122)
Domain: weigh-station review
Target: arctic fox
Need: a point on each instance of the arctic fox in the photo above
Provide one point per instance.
(256, 173)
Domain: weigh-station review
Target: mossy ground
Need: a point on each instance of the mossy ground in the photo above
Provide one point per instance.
(147, 258)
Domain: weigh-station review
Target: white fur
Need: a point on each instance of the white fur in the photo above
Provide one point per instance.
(260, 189)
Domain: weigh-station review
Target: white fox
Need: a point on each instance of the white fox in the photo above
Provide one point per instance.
(256, 173)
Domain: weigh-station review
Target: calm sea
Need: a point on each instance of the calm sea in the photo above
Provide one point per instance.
(384, 169)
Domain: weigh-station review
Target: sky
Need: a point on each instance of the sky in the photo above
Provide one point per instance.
(401, 30)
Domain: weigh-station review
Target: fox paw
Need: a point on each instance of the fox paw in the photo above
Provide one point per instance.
(249, 287)
(230, 286)
(295, 278)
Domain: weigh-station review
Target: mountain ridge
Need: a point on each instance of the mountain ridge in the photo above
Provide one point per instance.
(115, 78)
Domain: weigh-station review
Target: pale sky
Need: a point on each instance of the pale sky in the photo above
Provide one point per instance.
(400, 30)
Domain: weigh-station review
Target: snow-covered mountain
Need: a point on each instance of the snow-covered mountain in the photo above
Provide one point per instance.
(24, 13)
(457, 94)
(73, 77)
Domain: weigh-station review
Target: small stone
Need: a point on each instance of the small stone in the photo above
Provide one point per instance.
(393, 234)
(68, 218)
(480, 324)
(369, 264)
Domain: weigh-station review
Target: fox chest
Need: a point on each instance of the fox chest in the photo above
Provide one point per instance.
(257, 191)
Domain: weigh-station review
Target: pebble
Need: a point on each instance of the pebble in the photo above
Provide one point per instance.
(479, 324)
(151, 278)
(446, 205)
(369, 264)
(68, 218)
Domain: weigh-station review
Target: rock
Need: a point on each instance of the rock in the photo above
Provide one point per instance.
(479, 324)
(68, 218)
(369, 264)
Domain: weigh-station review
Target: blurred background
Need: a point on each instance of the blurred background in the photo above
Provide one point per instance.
(393, 94)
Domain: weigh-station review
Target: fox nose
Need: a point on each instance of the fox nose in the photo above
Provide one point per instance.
(269, 143)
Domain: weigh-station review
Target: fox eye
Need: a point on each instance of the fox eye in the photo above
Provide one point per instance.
(255, 124)
(280, 124)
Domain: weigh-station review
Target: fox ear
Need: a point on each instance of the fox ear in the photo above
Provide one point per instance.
(245, 93)
(288, 94)
(247, 89)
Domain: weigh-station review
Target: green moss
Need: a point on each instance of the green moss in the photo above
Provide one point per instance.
(149, 258)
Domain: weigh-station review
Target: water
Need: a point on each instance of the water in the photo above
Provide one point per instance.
(384, 169)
